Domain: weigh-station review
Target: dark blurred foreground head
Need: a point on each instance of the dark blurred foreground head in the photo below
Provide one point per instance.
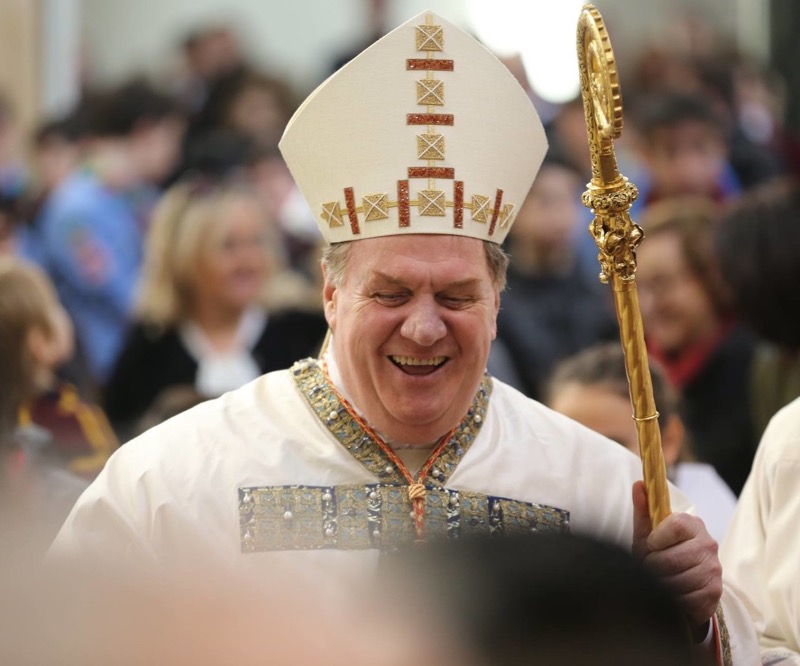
(546, 600)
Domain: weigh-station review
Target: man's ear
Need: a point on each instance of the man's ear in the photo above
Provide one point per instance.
(329, 295)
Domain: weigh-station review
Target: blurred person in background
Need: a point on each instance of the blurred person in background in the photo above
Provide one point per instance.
(13, 181)
(248, 102)
(684, 151)
(690, 55)
(93, 223)
(13, 173)
(759, 252)
(222, 151)
(691, 330)
(377, 26)
(58, 147)
(10, 224)
(718, 79)
(41, 335)
(241, 121)
(104, 613)
(212, 271)
(566, 134)
(170, 402)
(592, 388)
(760, 106)
(762, 550)
(748, 122)
(57, 150)
(42, 422)
(209, 53)
(553, 307)
(297, 224)
(545, 599)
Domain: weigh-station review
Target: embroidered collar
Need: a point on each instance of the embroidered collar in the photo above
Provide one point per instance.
(339, 418)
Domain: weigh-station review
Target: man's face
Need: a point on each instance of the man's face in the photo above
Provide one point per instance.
(413, 320)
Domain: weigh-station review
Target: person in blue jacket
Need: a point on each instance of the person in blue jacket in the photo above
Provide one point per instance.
(93, 224)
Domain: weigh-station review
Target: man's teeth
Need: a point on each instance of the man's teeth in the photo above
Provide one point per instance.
(408, 360)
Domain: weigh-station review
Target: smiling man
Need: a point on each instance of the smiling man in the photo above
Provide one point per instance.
(415, 157)
(419, 315)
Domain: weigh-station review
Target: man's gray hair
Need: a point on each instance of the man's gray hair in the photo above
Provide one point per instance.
(334, 261)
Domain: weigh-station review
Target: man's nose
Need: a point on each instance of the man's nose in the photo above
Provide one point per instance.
(424, 325)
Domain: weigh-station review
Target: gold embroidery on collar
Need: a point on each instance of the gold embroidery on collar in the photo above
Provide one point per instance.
(317, 391)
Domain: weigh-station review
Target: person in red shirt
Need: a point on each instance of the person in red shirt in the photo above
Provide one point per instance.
(690, 329)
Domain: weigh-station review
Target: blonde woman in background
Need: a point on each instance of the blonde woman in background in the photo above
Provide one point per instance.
(207, 313)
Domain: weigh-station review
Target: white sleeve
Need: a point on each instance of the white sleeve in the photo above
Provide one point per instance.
(761, 553)
(110, 522)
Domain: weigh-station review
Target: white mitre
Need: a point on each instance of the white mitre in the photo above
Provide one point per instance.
(425, 132)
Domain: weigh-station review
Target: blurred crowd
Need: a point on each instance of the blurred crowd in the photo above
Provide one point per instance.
(155, 253)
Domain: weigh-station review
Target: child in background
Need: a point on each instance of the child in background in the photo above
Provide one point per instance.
(38, 334)
(592, 388)
(685, 151)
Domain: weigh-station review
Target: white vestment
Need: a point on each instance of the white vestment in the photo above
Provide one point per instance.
(761, 554)
(279, 469)
(713, 500)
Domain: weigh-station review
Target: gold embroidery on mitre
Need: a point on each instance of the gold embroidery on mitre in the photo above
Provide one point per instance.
(332, 214)
(376, 207)
(430, 38)
(430, 146)
(506, 214)
(430, 92)
(432, 203)
(480, 208)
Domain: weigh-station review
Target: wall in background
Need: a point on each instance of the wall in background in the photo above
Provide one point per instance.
(20, 59)
(296, 38)
(299, 37)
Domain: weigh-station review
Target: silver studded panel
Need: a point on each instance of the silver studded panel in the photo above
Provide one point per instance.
(378, 516)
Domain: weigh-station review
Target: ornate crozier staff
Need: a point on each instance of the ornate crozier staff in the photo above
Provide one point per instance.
(610, 196)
